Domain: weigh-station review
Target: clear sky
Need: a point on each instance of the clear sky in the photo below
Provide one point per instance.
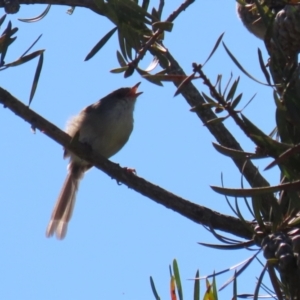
(117, 238)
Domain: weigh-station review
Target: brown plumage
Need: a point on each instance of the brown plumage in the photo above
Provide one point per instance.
(106, 127)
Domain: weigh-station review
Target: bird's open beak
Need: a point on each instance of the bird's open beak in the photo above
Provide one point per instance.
(133, 90)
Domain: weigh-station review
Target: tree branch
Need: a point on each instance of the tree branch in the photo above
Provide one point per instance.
(90, 4)
(192, 211)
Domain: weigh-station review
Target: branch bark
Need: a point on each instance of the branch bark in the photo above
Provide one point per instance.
(90, 4)
(192, 211)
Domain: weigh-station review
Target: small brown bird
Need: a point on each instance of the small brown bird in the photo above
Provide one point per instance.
(251, 18)
(106, 127)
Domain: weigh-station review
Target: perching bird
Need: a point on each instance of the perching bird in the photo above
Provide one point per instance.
(106, 127)
(249, 14)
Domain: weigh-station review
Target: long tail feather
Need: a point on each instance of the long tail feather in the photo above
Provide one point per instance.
(64, 206)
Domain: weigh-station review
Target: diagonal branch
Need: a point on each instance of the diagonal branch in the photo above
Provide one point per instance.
(90, 4)
(192, 211)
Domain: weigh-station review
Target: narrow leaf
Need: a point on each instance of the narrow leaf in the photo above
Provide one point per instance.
(149, 78)
(162, 77)
(233, 153)
(25, 59)
(274, 281)
(284, 156)
(215, 121)
(122, 44)
(121, 60)
(129, 71)
(100, 44)
(240, 66)
(236, 101)
(36, 77)
(214, 286)
(39, 17)
(240, 271)
(119, 70)
(208, 99)
(229, 247)
(184, 83)
(263, 67)
(177, 279)
(2, 19)
(215, 48)
(256, 296)
(31, 45)
(293, 186)
(197, 287)
(234, 287)
(166, 26)
(232, 89)
(154, 289)
(145, 4)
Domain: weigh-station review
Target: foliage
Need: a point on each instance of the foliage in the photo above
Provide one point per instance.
(275, 229)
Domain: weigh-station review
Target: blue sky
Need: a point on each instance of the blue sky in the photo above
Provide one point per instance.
(118, 238)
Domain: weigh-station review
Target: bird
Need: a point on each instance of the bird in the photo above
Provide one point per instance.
(105, 127)
(251, 18)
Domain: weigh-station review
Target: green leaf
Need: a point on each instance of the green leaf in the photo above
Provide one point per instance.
(6, 39)
(263, 67)
(291, 186)
(2, 19)
(122, 44)
(240, 66)
(165, 26)
(236, 101)
(258, 284)
(31, 45)
(159, 48)
(177, 279)
(214, 285)
(154, 289)
(119, 70)
(208, 99)
(121, 60)
(229, 247)
(257, 208)
(197, 287)
(232, 89)
(236, 154)
(264, 141)
(240, 271)
(25, 59)
(145, 4)
(215, 48)
(100, 44)
(36, 77)
(183, 84)
(129, 71)
(149, 78)
(215, 121)
(235, 287)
